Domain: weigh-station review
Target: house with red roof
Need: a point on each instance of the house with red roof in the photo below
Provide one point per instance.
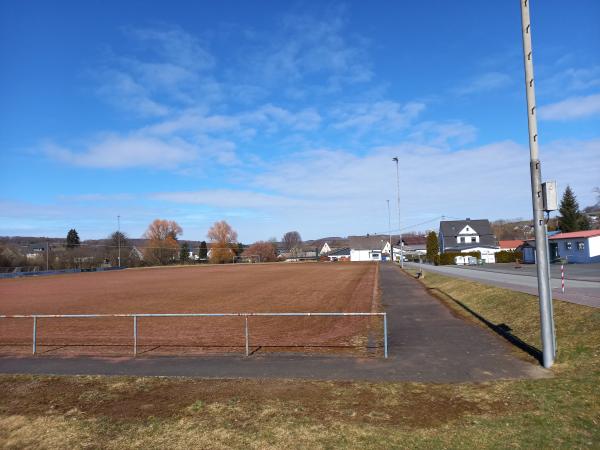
(511, 244)
(580, 247)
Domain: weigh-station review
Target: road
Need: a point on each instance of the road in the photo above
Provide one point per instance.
(578, 291)
(427, 343)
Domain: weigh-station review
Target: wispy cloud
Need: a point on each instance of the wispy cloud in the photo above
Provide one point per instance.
(167, 68)
(305, 48)
(557, 81)
(229, 198)
(118, 152)
(488, 81)
(365, 117)
(572, 108)
(443, 134)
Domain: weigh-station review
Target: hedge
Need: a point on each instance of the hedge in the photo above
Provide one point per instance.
(507, 256)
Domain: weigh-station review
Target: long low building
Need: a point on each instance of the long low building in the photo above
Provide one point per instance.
(579, 247)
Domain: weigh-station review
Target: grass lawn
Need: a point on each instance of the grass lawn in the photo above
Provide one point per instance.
(121, 412)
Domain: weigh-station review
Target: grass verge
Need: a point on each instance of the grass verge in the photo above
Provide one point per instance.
(126, 412)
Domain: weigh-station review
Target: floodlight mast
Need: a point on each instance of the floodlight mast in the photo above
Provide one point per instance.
(119, 238)
(398, 199)
(390, 231)
(541, 238)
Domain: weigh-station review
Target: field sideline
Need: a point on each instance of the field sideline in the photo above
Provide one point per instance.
(192, 289)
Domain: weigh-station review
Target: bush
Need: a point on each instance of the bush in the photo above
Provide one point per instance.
(446, 259)
(508, 256)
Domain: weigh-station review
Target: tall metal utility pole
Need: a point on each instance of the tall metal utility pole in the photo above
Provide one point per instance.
(390, 231)
(544, 290)
(399, 226)
(119, 238)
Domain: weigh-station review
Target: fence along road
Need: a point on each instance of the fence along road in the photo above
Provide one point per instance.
(245, 315)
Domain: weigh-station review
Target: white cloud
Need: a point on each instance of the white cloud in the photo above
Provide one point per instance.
(168, 68)
(228, 198)
(363, 117)
(117, 152)
(305, 47)
(483, 83)
(571, 79)
(572, 108)
(443, 134)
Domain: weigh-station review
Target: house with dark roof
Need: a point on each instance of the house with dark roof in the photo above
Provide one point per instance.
(468, 235)
(369, 248)
(341, 254)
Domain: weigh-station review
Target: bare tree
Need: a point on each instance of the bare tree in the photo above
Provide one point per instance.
(266, 251)
(292, 241)
(162, 246)
(222, 237)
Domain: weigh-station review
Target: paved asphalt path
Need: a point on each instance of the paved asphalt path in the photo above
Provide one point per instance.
(576, 291)
(427, 343)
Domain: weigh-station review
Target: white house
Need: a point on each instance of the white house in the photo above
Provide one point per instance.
(464, 236)
(325, 249)
(369, 248)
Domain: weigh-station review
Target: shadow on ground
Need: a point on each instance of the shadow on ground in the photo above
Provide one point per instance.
(501, 329)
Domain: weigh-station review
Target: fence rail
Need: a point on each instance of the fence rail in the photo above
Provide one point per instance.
(135, 317)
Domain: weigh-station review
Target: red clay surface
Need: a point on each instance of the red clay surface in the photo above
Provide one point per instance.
(312, 287)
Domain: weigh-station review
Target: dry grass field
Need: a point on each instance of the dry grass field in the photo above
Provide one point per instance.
(310, 287)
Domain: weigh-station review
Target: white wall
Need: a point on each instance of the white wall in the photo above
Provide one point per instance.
(363, 255)
(594, 245)
(467, 238)
(487, 254)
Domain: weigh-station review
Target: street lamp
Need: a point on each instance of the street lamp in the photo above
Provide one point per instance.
(399, 226)
(538, 199)
(390, 231)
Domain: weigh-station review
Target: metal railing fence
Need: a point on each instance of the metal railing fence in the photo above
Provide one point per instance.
(135, 317)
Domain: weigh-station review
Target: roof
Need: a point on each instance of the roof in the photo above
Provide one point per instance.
(450, 229)
(340, 252)
(576, 235)
(374, 242)
(413, 240)
(512, 243)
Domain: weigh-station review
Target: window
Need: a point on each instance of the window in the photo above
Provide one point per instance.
(473, 239)
(580, 246)
(569, 245)
(462, 240)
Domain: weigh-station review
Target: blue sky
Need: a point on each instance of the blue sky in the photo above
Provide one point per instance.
(279, 116)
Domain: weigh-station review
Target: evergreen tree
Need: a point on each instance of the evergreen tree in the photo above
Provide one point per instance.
(571, 218)
(203, 251)
(72, 239)
(433, 247)
(184, 252)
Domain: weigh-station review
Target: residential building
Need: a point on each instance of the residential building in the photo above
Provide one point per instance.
(579, 247)
(341, 254)
(510, 245)
(369, 248)
(468, 235)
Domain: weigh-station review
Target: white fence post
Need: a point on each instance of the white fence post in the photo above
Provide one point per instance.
(247, 340)
(34, 334)
(134, 336)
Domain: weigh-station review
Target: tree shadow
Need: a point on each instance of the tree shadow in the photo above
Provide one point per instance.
(501, 329)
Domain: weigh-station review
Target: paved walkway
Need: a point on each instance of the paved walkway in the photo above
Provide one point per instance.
(576, 291)
(427, 343)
